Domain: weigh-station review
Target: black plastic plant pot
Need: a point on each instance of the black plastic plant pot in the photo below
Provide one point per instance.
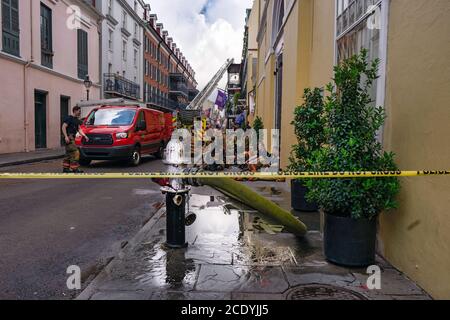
(298, 198)
(350, 242)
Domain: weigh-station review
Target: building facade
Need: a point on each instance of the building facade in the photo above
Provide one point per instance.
(299, 42)
(48, 48)
(169, 79)
(122, 48)
(250, 57)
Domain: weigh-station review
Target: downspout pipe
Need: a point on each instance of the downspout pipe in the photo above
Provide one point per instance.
(100, 51)
(159, 67)
(25, 83)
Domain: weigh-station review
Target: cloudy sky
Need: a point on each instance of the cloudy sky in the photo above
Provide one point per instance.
(207, 31)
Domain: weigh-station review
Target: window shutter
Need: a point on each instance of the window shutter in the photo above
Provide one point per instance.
(10, 27)
(82, 54)
(15, 15)
(46, 37)
(6, 15)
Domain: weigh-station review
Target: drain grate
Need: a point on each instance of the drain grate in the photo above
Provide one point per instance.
(322, 292)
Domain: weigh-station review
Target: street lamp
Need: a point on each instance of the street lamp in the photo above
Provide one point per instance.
(88, 85)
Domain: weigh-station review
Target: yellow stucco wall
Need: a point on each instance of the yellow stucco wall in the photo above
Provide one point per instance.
(416, 237)
(308, 50)
(295, 71)
(265, 78)
(322, 46)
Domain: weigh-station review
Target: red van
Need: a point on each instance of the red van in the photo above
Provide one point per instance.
(124, 133)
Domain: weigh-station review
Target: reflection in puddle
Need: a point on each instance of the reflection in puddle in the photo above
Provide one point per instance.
(223, 234)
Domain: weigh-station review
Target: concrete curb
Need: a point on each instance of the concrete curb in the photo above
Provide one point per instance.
(28, 161)
(90, 290)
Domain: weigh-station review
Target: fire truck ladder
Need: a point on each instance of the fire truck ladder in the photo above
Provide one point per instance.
(198, 101)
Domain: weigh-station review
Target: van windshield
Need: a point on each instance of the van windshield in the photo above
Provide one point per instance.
(111, 117)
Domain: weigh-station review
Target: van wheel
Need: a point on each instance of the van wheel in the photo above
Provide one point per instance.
(85, 162)
(135, 157)
(160, 153)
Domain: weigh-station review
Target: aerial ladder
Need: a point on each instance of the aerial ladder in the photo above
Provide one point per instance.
(198, 101)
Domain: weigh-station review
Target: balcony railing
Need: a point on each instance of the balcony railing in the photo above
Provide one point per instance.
(117, 85)
(163, 102)
(193, 93)
(177, 84)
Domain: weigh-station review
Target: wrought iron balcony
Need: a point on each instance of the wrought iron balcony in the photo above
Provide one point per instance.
(177, 84)
(162, 102)
(193, 93)
(116, 85)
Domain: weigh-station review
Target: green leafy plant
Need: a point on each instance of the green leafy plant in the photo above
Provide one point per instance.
(236, 98)
(353, 123)
(309, 124)
(258, 125)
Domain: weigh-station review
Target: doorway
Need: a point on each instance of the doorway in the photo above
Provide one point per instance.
(278, 92)
(40, 119)
(64, 113)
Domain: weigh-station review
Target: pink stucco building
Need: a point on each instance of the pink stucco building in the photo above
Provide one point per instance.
(47, 51)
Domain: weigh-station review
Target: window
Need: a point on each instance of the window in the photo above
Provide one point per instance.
(353, 32)
(110, 68)
(124, 19)
(135, 58)
(10, 30)
(135, 6)
(110, 7)
(46, 37)
(111, 40)
(361, 24)
(124, 50)
(83, 65)
(141, 119)
(111, 117)
(136, 33)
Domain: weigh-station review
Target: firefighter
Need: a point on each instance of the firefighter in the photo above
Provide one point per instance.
(176, 119)
(72, 126)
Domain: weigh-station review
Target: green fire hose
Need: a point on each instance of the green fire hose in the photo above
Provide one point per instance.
(264, 206)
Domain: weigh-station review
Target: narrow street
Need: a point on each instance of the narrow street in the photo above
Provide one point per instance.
(303, 144)
(55, 224)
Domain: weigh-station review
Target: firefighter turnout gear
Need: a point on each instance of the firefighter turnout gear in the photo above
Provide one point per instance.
(72, 158)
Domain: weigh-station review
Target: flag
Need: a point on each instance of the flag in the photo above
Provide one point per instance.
(221, 100)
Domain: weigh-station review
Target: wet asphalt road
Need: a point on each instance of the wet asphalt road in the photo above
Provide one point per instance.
(47, 226)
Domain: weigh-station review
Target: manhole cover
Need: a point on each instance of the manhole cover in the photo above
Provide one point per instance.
(322, 292)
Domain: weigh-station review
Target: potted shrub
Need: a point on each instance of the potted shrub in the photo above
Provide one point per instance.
(352, 206)
(309, 124)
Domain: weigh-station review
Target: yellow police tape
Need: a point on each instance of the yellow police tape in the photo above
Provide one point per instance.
(233, 175)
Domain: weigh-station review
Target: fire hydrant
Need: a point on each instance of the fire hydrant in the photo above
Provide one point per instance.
(177, 194)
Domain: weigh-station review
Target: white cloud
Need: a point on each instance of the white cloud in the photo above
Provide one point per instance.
(206, 40)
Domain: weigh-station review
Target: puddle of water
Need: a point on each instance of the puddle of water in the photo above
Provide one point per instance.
(222, 235)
